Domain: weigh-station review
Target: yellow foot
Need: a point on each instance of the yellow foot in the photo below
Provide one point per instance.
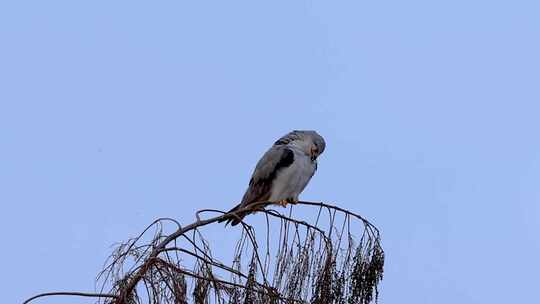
(283, 203)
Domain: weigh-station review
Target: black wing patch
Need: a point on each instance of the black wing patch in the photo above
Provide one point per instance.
(259, 186)
(287, 158)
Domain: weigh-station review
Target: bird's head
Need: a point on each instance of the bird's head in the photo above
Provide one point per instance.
(309, 142)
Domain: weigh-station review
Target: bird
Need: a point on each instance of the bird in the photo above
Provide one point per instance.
(282, 173)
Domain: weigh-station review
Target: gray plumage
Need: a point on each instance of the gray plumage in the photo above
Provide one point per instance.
(283, 172)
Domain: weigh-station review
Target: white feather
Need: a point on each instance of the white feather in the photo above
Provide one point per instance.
(291, 181)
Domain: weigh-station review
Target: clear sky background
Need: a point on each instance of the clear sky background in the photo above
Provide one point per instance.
(113, 113)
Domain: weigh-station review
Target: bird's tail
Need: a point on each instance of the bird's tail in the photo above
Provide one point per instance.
(234, 219)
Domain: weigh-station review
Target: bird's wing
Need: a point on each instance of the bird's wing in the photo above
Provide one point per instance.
(260, 185)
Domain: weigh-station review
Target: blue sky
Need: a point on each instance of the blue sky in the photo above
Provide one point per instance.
(113, 113)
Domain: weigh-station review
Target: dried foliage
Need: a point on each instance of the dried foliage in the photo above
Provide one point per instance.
(334, 258)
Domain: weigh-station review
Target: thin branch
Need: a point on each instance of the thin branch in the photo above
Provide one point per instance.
(310, 265)
(69, 293)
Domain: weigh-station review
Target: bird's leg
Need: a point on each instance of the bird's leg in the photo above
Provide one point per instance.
(283, 203)
(292, 200)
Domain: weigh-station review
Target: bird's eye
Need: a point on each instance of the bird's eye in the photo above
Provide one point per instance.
(314, 153)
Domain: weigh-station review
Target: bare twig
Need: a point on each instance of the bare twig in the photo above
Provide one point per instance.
(301, 261)
(71, 293)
